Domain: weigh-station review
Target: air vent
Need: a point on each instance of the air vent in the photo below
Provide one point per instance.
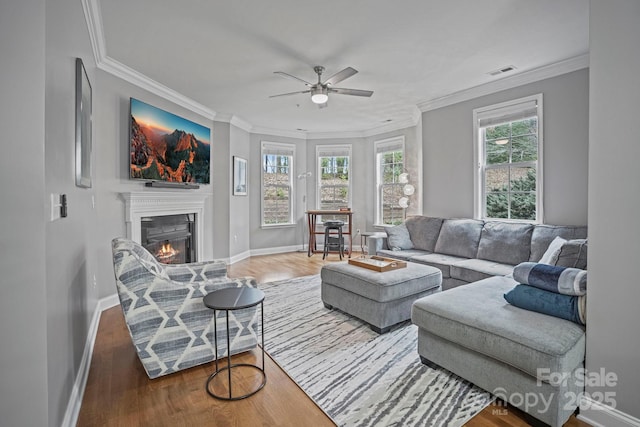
(502, 70)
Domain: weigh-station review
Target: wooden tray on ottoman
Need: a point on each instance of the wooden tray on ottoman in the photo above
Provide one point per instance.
(378, 263)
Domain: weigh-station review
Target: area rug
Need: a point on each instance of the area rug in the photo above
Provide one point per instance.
(358, 377)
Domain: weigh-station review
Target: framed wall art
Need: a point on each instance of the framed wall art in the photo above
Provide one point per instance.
(83, 126)
(239, 176)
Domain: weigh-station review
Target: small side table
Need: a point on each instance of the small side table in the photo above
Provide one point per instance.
(230, 299)
(363, 241)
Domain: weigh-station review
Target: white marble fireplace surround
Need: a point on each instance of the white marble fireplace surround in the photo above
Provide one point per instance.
(142, 204)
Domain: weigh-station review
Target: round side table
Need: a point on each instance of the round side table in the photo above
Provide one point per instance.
(230, 299)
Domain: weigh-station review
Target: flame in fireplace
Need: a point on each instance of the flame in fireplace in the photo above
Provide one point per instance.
(166, 252)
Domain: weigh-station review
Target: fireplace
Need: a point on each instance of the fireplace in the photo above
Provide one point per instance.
(170, 238)
(169, 219)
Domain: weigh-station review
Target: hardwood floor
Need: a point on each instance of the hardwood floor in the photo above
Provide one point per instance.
(119, 393)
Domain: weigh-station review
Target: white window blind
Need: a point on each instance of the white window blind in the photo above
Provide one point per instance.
(507, 112)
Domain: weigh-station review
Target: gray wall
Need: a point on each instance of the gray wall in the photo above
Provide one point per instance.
(111, 146)
(240, 206)
(363, 175)
(71, 241)
(448, 150)
(221, 180)
(23, 302)
(614, 200)
(274, 237)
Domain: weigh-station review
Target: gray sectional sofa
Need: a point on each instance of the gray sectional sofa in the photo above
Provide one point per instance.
(473, 331)
(468, 250)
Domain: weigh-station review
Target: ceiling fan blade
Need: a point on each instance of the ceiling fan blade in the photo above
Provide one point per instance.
(355, 92)
(289, 76)
(290, 93)
(340, 76)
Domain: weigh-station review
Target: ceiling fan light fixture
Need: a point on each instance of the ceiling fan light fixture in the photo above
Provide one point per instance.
(319, 95)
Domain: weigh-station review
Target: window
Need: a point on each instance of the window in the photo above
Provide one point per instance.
(508, 152)
(389, 166)
(334, 183)
(277, 184)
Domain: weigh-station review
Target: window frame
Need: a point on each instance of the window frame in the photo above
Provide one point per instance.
(389, 145)
(282, 149)
(320, 149)
(509, 109)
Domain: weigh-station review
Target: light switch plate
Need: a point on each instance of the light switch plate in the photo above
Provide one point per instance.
(55, 206)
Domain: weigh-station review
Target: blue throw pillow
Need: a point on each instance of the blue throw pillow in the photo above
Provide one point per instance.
(398, 238)
(567, 307)
(563, 280)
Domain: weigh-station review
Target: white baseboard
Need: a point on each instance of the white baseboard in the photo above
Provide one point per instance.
(599, 415)
(276, 250)
(239, 257)
(77, 392)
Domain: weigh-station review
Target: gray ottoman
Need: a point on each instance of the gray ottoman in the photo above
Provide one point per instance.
(380, 299)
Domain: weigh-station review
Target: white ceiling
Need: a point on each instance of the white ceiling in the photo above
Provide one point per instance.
(222, 54)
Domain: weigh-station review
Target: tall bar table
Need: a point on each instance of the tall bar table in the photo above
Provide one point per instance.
(312, 217)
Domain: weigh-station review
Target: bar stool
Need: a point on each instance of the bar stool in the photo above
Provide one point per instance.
(333, 242)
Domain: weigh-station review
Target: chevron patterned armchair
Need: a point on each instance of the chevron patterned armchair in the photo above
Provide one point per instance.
(170, 326)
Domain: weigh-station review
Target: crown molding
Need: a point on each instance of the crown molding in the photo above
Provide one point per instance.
(235, 121)
(130, 75)
(278, 132)
(241, 123)
(224, 117)
(531, 76)
(413, 120)
(93, 16)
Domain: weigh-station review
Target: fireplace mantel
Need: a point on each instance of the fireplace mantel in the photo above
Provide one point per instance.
(141, 204)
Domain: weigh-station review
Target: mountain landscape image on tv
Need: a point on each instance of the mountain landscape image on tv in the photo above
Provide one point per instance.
(165, 147)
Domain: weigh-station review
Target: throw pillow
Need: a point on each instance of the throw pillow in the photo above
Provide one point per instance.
(562, 280)
(530, 298)
(573, 254)
(550, 256)
(398, 238)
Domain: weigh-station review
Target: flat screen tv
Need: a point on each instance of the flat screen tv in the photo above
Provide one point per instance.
(165, 147)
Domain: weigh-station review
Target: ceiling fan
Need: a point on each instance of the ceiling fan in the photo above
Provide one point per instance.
(320, 91)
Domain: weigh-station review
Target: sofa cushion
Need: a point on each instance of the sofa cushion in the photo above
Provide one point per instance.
(403, 255)
(477, 317)
(505, 242)
(472, 270)
(544, 234)
(550, 256)
(573, 254)
(569, 307)
(441, 261)
(459, 237)
(398, 237)
(424, 231)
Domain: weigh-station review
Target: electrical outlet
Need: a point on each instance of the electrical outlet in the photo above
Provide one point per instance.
(95, 282)
(357, 231)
